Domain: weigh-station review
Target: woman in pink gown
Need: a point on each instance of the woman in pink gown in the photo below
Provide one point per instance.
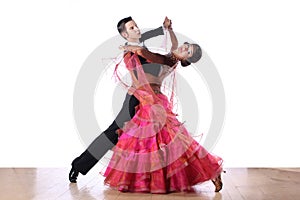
(155, 152)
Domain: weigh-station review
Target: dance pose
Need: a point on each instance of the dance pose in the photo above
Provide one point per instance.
(129, 30)
(155, 153)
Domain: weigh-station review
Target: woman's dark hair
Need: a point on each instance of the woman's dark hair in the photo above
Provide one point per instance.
(197, 54)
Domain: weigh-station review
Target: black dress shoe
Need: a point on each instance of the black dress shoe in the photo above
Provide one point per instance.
(73, 175)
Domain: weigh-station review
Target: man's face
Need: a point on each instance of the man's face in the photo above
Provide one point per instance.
(132, 33)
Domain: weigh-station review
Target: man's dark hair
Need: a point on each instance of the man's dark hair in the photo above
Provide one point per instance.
(121, 24)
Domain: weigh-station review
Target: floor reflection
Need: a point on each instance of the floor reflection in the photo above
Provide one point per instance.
(239, 183)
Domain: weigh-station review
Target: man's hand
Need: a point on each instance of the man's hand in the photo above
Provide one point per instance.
(131, 48)
(122, 47)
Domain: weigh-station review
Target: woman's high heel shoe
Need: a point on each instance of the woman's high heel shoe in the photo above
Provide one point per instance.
(218, 183)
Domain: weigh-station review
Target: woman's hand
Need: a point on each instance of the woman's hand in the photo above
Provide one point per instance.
(131, 48)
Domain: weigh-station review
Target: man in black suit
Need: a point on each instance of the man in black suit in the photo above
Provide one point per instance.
(129, 30)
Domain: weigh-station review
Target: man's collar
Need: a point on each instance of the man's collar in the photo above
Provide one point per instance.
(135, 44)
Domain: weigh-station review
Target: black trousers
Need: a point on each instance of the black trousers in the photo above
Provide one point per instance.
(107, 139)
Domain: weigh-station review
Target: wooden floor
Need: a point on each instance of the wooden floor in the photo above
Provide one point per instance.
(239, 183)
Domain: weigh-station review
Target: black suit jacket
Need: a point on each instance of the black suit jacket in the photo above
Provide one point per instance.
(150, 68)
(128, 109)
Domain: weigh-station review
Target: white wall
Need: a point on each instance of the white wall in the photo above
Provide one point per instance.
(254, 45)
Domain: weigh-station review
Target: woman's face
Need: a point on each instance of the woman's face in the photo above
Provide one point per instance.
(185, 51)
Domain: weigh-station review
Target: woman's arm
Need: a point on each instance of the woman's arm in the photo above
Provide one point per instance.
(150, 56)
(174, 41)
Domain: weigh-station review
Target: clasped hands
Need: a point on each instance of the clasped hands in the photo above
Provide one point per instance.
(167, 24)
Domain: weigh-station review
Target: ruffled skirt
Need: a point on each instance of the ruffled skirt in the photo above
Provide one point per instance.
(156, 154)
